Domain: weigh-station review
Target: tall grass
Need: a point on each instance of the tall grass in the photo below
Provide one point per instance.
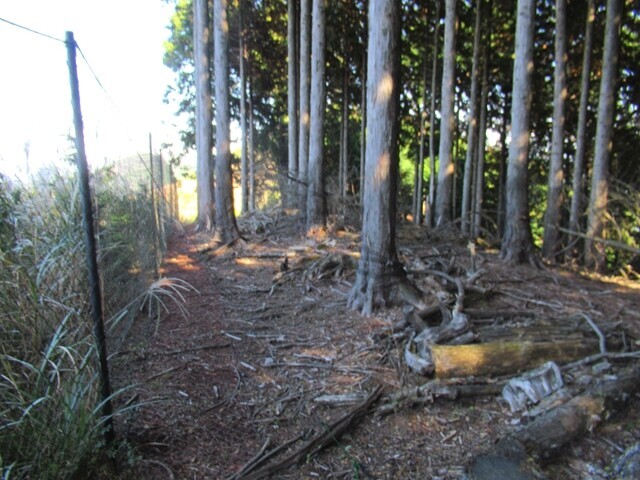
(50, 412)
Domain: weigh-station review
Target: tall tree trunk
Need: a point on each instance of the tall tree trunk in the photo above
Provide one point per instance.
(363, 126)
(594, 251)
(432, 121)
(344, 161)
(504, 155)
(305, 87)
(244, 194)
(419, 187)
(378, 260)
(316, 210)
(226, 226)
(473, 124)
(292, 106)
(482, 138)
(455, 154)
(447, 165)
(581, 134)
(551, 242)
(252, 149)
(204, 113)
(517, 243)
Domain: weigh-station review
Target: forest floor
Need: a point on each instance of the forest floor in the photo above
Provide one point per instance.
(236, 367)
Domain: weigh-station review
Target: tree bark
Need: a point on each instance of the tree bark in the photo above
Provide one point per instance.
(432, 121)
(378, 263)
(551, 242)
(472, 130)
(517, 243)
(581, 134)
(204, 113)
(292, 104)
(316, 210)
(305, 87)
(594, 251)
(226, 226)
(447, 167)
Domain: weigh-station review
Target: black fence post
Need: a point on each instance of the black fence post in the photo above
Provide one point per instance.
(90, 243)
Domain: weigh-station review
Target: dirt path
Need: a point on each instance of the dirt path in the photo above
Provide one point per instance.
(242, 364)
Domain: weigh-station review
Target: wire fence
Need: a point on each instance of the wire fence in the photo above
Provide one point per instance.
(50, 420)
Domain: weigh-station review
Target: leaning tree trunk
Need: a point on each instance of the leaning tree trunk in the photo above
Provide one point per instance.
(472, 130)
(594, 251)
(316, 210)
(551, 243)
(305, 86)
(204, 135)
(581, 135)
(292, 103)
(517, 243)
(378, 262)
(432, 121)
(447, 120)
(226, 226)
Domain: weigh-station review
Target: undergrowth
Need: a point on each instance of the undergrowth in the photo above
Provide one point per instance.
(51, 426)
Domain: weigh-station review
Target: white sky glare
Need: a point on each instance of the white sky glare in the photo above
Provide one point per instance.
(123, 42)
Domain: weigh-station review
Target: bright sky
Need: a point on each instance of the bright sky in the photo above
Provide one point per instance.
(123, 42)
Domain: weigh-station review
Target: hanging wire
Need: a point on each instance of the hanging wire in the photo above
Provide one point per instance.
(100, 84)
(51, 37)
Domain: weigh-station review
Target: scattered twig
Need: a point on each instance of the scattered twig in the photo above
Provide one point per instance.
(554, 306)
(601, 356)
(594, 327)
(190, 350)
(163, 466)
(229, 398)
(164, 372)
(255, 460)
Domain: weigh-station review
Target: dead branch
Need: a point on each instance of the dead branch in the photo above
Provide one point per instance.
(611, 243)
(432, 390)
(330, 435)
(256, 459)
(594, 327)
(602, 356)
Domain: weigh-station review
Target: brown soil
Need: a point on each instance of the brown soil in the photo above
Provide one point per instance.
(241, 360)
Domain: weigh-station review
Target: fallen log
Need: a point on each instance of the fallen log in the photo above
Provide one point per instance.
(502, 358)
(549, 433)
